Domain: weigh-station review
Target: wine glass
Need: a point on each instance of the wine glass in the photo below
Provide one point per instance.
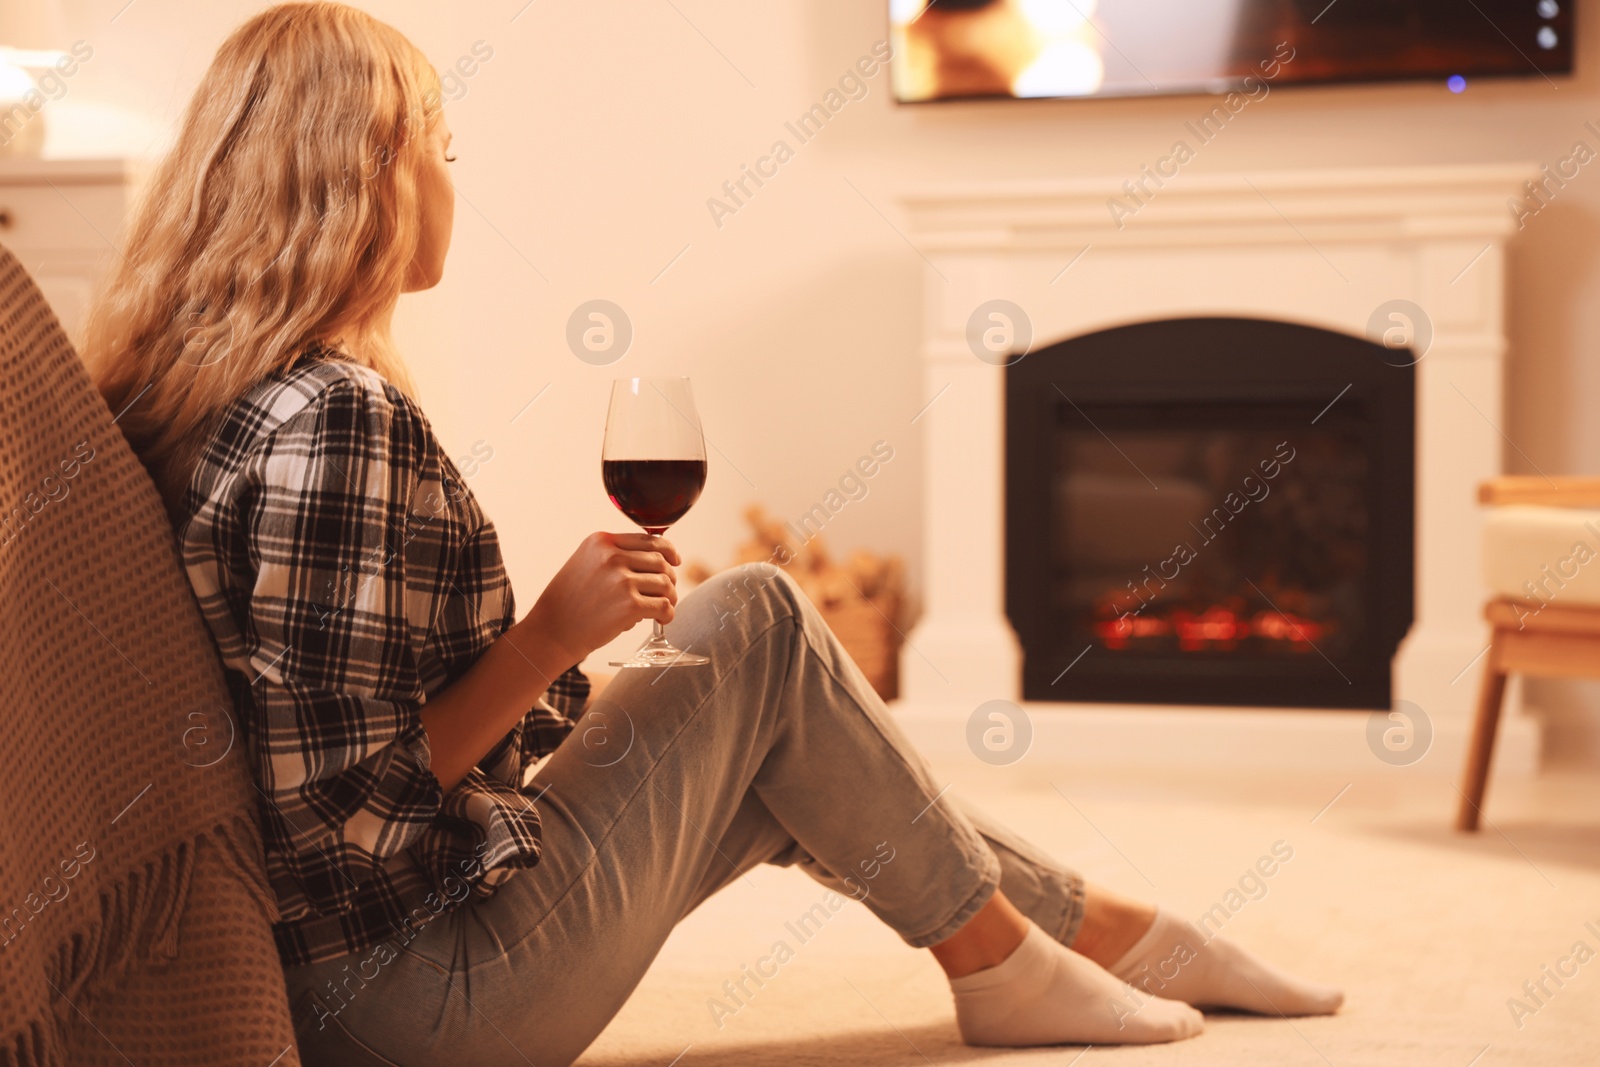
(654, 466)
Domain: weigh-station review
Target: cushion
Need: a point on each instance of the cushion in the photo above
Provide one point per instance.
(1540, 553)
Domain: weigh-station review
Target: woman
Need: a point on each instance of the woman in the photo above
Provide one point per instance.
(437, 904)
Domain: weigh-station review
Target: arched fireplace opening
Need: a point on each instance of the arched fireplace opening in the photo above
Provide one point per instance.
(1210, 511)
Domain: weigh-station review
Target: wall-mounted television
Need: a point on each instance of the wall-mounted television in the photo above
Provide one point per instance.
(962, 49)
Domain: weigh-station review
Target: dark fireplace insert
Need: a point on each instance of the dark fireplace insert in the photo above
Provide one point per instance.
(1212, 512)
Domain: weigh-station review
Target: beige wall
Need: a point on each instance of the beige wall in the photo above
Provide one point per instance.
(593, 138)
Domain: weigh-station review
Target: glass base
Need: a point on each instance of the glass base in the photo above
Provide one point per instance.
(661, 653)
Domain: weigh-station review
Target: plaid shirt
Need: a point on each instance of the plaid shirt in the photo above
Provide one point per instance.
(347, 573)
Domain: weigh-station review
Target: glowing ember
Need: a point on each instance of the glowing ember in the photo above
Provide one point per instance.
(1214, 629)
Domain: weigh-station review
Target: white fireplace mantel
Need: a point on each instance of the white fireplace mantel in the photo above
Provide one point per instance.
(1320, 247)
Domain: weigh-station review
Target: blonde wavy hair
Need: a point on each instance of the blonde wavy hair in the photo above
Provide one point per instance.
(286, 215)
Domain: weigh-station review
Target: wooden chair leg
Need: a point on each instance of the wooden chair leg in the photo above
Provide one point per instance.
(1481, 751)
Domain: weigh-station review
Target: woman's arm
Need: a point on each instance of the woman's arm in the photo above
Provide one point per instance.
(611, 583)
(465, 720)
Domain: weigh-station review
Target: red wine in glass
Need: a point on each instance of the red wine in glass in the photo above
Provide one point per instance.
(655, 493)
(653, 464)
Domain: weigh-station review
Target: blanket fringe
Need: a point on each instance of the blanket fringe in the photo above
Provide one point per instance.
(139, 922)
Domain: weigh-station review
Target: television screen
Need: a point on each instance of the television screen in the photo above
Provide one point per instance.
(952, 49)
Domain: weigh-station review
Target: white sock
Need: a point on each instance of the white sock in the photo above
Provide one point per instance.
(1046, 994)
(1174, 959)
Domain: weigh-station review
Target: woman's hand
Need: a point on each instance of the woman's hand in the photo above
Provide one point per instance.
(611, 584)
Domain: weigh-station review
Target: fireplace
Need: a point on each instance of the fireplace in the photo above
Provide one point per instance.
(1212, 511)
(1328, 250)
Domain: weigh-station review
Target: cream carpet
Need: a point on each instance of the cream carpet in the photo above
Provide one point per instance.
(1429, 933)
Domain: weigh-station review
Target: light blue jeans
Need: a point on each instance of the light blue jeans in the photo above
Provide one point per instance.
(674, 783)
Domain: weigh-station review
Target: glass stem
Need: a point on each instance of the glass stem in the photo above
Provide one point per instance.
(658, 634)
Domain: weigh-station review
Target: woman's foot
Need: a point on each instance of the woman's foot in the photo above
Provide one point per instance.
(1162, 955)
(1043, 993)
(1175, 959)
(1112, 924)
(1014, 985)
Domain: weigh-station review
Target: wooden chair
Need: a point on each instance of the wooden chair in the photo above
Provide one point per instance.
(1551, 639)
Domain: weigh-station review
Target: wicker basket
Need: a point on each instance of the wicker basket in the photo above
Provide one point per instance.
(865, 630)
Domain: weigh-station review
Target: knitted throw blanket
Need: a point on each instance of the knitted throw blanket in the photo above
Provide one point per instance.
(134, 910)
